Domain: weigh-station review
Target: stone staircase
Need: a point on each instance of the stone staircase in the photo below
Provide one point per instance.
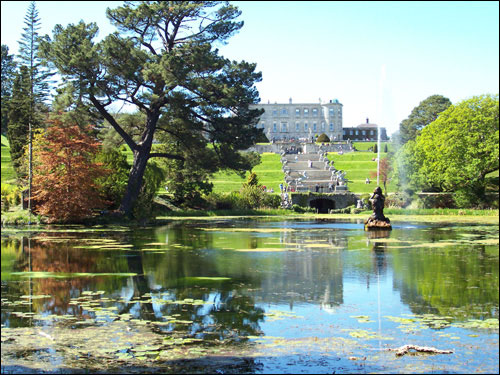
(311, 172)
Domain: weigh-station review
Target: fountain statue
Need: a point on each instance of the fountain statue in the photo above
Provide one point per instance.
(377, 220)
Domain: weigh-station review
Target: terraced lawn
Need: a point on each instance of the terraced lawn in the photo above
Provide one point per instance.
(8, 173)
(268, 172)
(358, 166)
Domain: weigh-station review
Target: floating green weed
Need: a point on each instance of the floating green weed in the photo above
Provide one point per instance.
(366, 334)
(362, 318)
(279, 315)
(488, 324)
(65, 275)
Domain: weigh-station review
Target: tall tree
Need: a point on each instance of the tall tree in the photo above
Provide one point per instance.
(8, 74)
(19, 117)
(421, 116)
(29, 57)
(462, 146)
(162, 61)
(456, 151)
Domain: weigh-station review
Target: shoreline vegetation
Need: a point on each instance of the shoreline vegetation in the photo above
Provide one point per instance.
(396, 215)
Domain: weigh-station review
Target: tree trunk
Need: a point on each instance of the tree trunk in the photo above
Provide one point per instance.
(141, 157)
(134, 182)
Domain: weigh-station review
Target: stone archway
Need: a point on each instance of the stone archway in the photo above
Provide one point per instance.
(322, 205)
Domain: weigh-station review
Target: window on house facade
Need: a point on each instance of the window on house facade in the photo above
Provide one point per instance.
(363, 132)
(297, 112)
(275, 112)
(306, 127)
(332, 111)
(284, 112)
(331, 126)
(314, 127)
(350, 132)
(297, 127)
(357, 132)
(322, 126)
(283, 127)
(315, 112)
(275, 127)
(306, 112)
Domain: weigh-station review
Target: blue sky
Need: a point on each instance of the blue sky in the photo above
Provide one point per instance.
(379, 59)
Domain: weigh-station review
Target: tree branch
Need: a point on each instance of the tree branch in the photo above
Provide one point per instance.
(130, 142)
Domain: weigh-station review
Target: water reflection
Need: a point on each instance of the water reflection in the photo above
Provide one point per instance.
(233, 268)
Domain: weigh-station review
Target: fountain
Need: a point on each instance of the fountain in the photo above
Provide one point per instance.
(377, 220)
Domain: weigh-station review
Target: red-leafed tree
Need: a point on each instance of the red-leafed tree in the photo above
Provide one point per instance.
(385, 169)
(64, 173)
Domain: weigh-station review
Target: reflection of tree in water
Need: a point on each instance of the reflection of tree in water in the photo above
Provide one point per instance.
(461, 282)
(37, 255)
(231, 314)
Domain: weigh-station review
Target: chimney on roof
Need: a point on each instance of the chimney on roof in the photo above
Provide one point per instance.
(367, 120)
(290, 100)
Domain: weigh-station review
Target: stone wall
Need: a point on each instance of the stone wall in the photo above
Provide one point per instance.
(340, 200)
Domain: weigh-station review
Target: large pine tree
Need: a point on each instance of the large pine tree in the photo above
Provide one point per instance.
(28, 56)
(163, 61)
(29, 92)
(19, 118)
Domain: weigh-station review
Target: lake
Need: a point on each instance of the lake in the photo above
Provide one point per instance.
(250, 296)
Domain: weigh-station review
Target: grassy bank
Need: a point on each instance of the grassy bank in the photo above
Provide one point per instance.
(268, 171)
(358, 166)
(396, 216)
(8, 173)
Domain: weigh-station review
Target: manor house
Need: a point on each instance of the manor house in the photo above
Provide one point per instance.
(301, 121)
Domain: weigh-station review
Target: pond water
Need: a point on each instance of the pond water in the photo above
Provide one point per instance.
(251, 296)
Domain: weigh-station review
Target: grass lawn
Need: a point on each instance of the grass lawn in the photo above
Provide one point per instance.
(8, 173)
(358, 166)
(268, 172)
(364, 146)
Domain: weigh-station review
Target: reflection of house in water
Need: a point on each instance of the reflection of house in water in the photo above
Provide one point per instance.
(311, 274)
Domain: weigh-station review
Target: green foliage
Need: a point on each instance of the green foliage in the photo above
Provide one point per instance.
(252, 196)
(249, 197)
(426, 112)
(262, 138)
(11, 196)
(29, 57)
(223, 201)
(195, 101)
(323, 138)
(462, 165)
(8, 74)
(20, 217)
(252, 180)
(113, 185)
(455, 152)
(154, 177)
(19, 117)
